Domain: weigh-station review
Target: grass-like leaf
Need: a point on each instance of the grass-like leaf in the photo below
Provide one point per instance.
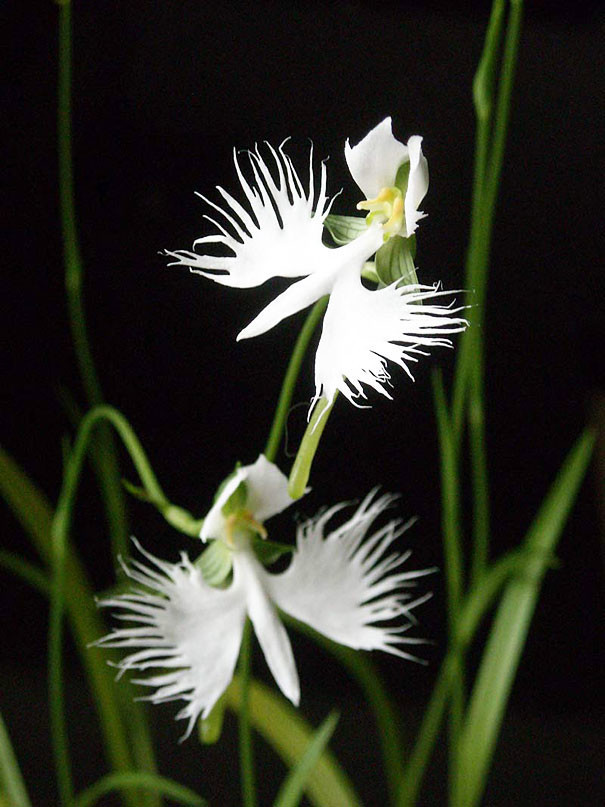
(509, 631)
(11, 781)
(292, 789)
(283, 728)
(140, 780)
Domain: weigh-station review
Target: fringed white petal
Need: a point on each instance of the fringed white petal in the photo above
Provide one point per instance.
(271, 633)
(187, 629)
(343, 583)
(267, 489)
(374, 161)
(363, 329)
(279, 234)
(418, 184)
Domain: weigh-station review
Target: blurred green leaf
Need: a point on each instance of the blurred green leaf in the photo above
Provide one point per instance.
(283, 728)
(509, 631)
(292, 789)
(12, 786)
(140, 780)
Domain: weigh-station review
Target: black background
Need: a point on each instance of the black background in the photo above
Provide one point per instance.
(162, 93)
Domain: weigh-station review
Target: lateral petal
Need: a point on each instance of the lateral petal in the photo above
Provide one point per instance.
(374, 161)
(279, 234)
(362, 329)
(342, 583)
(187, 629)
(418, 184)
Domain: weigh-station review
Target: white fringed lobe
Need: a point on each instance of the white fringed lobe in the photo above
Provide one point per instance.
(341, 583)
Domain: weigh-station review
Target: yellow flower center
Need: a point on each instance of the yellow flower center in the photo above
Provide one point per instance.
(389, 206)
(238, 526)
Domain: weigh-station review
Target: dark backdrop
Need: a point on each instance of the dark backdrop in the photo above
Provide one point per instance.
(162, 93)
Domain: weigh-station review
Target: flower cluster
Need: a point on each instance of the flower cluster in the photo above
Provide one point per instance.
(279, 234)
(185, 620)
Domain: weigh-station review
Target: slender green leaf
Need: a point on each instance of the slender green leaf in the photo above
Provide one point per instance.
(121, 719)
(289, 735)
(11, 781)
(509, 631)
(362, 670)
(25, 570)
(292, 789)
(140, 780)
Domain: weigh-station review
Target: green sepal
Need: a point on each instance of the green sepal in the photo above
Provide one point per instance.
(215, 563)
(210, 728)
(395, 261)
(269, 551)
(344, 229)
(237, 501)
(403, 177)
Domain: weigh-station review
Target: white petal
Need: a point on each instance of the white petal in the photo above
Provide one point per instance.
(279, 234)
(374, 161)
(267, 625)
(342, 583)
(296, 297)
(214, 522)
(363, 329)
(267, 489)
(189, 630)
(418, 184)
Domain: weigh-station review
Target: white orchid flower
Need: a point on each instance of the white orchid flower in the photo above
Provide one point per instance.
(340, 583)
(279, 234)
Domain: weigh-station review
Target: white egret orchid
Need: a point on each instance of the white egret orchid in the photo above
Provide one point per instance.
(340, 583)
(279, 234)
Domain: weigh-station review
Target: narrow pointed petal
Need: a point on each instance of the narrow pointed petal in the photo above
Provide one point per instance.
(189, 626)
(363, 329)
(279, 234)
(271, 633)
(330, 584)
(418, 184)
(374, 161)
(307, 291)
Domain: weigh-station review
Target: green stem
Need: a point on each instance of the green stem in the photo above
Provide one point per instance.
(480, 235)
(452, 549)
(59, 532)
(480, 487)
(477, 604)
(301, 469)
(246, 755)
(104, 454)
(122, 720)
(287, 390)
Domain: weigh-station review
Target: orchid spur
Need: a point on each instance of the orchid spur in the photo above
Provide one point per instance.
(340, 582)
(279, 234)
